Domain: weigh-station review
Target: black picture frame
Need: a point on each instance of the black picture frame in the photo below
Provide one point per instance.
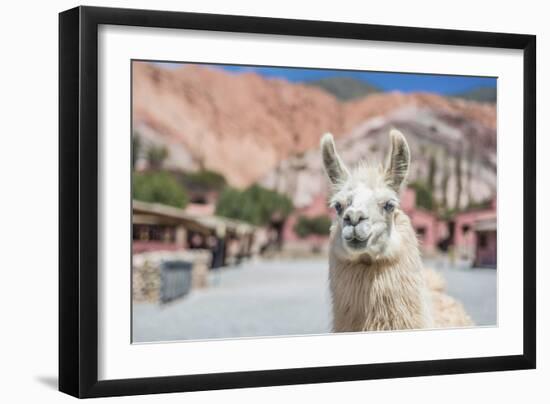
(78, 200)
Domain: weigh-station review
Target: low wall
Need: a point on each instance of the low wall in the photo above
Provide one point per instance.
(146, 271)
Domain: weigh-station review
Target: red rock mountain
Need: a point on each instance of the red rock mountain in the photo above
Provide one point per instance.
(239, 125)
(248, 127)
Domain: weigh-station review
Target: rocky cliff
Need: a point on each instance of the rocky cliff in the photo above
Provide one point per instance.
(250, 129)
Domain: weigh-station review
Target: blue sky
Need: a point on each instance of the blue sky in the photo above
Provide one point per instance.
(404, 82)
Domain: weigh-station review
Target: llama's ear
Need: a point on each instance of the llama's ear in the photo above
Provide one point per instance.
(399, 158)
(334, 167)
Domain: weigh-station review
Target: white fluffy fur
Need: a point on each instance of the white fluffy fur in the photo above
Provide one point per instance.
(376, 278)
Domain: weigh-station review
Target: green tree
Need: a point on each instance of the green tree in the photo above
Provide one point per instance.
(483, 204)
(256, 205)
(156, 155)
(203, 180)
(469, 172)
(317, 225)
(424, 197)
(432, 169)
(458, 174)
(158, 187)
(445, 184)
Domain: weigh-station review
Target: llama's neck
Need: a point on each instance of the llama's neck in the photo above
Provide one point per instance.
(380, 294)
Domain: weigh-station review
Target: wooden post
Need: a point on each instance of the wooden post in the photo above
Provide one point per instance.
(181, 237)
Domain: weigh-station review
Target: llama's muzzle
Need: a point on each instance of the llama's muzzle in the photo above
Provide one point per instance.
(355, 233)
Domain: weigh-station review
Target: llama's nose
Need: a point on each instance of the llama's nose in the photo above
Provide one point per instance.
(353, 217)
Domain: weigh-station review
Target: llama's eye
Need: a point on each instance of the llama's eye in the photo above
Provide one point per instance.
(338, 207)
(389, 206)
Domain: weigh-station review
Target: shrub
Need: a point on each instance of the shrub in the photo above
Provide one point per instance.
(158, 187)
(318, 225)
(483, 204)
(203, 180)
(256, 205)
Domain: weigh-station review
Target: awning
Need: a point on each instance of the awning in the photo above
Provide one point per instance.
(156, 213)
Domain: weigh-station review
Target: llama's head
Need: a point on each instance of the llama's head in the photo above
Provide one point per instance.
(366, 200)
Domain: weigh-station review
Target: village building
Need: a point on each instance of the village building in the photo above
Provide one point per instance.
(486, 242)
(158, 227)
(429, 228)
(173, 249)
(468, 235)
(474, 235)
(313, 242)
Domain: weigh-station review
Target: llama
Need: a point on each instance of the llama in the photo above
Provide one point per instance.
(375, 270)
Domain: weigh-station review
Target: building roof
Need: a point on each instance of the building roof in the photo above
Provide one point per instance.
(156, 213)
(489, 224)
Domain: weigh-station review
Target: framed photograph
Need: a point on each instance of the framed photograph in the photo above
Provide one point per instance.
(251, 201)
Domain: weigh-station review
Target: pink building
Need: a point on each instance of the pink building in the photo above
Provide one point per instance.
(429, 228)
(486, 243)
(318, 207)
(474, 235)
(157, 227)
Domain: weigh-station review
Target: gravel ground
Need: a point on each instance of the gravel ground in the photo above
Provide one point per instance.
(270, 298)
(255, 299)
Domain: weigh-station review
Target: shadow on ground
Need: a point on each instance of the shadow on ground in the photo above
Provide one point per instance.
(48, 381)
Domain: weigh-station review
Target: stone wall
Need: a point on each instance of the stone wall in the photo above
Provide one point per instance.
(146, 272)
